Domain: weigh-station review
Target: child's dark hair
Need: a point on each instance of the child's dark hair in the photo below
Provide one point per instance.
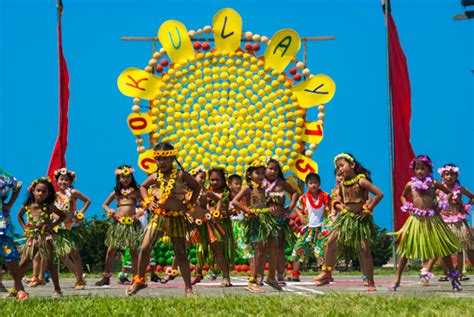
(358, 167)
(234, 177)
(312, 176)
(422, 159)
(165, 146)
(280, 172)
(51, 191)
(118, 185)
(221, 172)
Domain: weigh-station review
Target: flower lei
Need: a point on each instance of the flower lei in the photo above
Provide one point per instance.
(343, 156)
(269, 186)
(410, 208)
(448, 168)
(65, 171)
(354, 180)
(124, 171)
(313, 204)
(443, 203)
(63, 201)
(257, 185)
(127, 192)
(166, 186)
(34, 222)
(418, 184)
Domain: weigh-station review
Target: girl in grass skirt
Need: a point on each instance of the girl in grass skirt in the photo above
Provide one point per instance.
(276, 188)
(167, 188)
(454, 213)
(354, 228)
(39, 209)
(67, 240)
(424, 235)
(8, 251)
(210, 232)
(313, 209)
(260, 226)
(126, 230)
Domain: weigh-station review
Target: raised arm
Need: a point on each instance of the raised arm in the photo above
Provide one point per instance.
(106, 204)
(15, 192)
(238, 198)
(193, 185)
(293, 194)
(61, 216)
(144, 187)
(20, 215)
(78, 195)
(378, 195)
(406, 193)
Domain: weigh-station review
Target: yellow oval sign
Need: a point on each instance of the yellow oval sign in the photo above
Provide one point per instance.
(302, 166)
(146, 161)
(282, 48)
(227, 25)
(134, 82)
(174, 37)
(313, 132)
(315, 91)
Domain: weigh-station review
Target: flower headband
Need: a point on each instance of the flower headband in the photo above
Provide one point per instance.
(218, 168)
(343, 156)
(36, 181)
(448, 168)
(257, 163)
(65, 171)
(421, 158)
(165, 153)
(124, 171)
(197, 170)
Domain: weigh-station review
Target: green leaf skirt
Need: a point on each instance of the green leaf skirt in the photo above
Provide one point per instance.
(120, 236)
(353, 233)
(260, 227)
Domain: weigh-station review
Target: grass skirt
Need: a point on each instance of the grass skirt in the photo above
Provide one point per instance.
(259, 227)
(285, 229)
(464, 234)
(65, 241)
(120, 236)
(311, 244)
(227, 245)
(353, 233)
(425, 238)
(38, 242)
(242, 248)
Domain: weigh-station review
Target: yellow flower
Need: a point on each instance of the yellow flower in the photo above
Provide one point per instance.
(80, 216)
(216, 214)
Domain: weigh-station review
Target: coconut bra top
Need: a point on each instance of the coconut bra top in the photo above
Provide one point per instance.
(258, 198)
(354, 194)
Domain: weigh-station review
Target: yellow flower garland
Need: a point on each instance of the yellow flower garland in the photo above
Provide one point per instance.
(354, 180)
(166, 186)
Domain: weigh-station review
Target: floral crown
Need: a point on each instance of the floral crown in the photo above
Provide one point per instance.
(257, 163)
(124, 171)
(65, 171)
(421, 158)
(448, 168)
(221, 168)
(197, 170)
(343, 156)
(165, 153)
(36, 181)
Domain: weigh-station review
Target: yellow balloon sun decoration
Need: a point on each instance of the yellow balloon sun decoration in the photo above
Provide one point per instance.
(225, 105)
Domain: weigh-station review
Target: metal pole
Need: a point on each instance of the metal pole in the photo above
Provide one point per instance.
(386, 6)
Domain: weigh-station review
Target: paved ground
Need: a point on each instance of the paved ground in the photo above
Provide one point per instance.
(343, 284)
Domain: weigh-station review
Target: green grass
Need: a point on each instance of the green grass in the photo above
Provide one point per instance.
(327, 305)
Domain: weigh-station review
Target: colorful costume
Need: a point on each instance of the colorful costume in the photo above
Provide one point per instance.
(259, 225)
(7, 248)
(242, 248)
(37, 239)
(126, 233)
(67, 237)
(277, 197)
(311, 242)
(353, 232)
(454, 213)
(424, 235)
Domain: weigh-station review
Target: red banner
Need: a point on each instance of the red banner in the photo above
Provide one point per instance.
(401, 116)
(58, 158)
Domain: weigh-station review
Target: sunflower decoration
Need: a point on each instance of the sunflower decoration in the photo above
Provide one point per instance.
(227, 104)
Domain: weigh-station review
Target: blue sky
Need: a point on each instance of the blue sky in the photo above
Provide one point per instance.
(440, 55)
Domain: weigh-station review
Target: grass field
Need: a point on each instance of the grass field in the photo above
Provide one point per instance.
(293, 305)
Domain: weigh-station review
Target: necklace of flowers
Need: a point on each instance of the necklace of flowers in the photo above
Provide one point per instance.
(224, 197)
(411, 209)
(418, 184)
(35, 221)
(63, 200)
(269, 186)
(256, 185)
(320, 201)
(456, 190)
(127, 192)
(166, 186)
(354, 180)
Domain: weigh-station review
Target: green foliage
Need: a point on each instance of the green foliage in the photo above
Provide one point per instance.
(93, 248)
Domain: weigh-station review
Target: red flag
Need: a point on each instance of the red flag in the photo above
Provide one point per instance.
(401, 116)
(58, 158)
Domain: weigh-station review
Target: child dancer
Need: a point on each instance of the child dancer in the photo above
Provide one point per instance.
(260, 227)
(454, 213)
(39, 208)
(276, 187)
(424, 235)
(353, 228)
(66, 201)
(168, 187)
(8, 250)
(126, 230)
(314, 209)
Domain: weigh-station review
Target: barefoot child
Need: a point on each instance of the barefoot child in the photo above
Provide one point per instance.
(454, 213)
(314, 210)
(126, 230)
(260, 227)
(8, 250)
(424, 235)
(168, 187)
(39, 209)
(66, 201)
(354, 228)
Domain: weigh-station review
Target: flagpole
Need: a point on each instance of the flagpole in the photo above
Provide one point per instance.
(386, 8)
